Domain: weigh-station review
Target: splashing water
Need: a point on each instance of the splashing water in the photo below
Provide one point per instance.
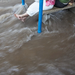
(17, 9)
(25, 52)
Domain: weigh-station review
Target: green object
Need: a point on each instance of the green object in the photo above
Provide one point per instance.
(64, 1)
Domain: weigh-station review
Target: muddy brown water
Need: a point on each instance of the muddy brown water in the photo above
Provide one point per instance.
(25, 52)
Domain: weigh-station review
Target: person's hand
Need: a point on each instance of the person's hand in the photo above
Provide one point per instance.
(71, 2)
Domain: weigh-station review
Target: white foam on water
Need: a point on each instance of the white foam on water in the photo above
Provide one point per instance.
(72, 36)
(37, 73)
(2, 54)
(52, 70)
(4, 17)
(46, 31)
(13, 69)
(49, 69)
(10, 43)
(8, 69)
(74, 25)
(67, 67)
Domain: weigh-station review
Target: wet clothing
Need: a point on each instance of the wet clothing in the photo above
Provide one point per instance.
(61, 4)
(34, 7)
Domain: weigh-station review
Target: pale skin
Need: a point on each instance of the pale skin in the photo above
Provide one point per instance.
(22, 17)
(71, 2)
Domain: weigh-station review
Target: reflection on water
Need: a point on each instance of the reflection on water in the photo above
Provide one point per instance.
(25, 52)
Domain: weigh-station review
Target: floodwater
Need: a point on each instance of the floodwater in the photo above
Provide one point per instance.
(25, 52)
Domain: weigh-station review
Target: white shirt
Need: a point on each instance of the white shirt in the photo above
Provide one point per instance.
(34, 7)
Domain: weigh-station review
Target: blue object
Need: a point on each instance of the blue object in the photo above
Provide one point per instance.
(40, 16)
(23, 2)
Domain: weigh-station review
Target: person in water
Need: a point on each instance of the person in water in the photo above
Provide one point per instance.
(63, 3)
(34, 8)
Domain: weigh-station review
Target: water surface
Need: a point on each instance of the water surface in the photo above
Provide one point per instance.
(25, 52)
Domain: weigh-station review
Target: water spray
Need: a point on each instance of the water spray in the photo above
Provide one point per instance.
(23, 8)
(17, 9)
(24, 5)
